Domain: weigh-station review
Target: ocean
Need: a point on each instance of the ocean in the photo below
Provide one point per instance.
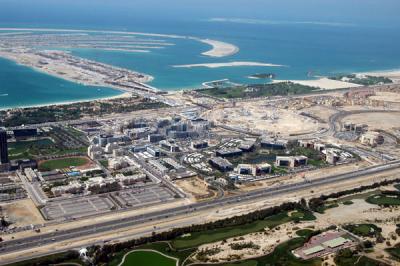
(22, 86)
(302, 48)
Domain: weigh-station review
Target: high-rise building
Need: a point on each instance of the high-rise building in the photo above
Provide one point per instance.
(3, 147)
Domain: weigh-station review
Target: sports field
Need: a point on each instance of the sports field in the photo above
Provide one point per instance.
(62, 163)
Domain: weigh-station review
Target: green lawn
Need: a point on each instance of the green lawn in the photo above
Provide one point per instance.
(62, 163)
(162, 247)
(347, 258)
(258, 90)
(347, 202)
(145, 258)
(199, 238)
(394, 252)
(42, 147)
(363, 229)
(384, 200)
(304, 232)
(27, 149)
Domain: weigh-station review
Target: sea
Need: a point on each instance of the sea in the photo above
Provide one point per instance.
(305, 51)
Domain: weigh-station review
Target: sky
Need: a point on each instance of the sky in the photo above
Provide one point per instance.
(123, 13)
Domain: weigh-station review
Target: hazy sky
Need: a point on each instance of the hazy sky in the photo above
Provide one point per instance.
(121, 12)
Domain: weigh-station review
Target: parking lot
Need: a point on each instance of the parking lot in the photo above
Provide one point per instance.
(77, 207)
(139, 197)
(73, 208)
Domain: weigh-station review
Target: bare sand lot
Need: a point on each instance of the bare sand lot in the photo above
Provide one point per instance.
(382, 121)
(321, 111)
(22, 213)
(255, 117)
(386, 96)
(196, 188)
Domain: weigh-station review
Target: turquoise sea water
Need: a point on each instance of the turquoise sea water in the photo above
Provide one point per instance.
(321, 49)
(21, 86)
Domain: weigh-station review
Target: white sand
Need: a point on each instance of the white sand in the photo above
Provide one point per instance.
(391, 74)
(219, 49)
(228, 64)
(122, 95)
(323, 83)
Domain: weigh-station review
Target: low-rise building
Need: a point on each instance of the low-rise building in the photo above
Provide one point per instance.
(102, 185)
(117, 163)
(247, 145)
(220, 163)
(291, 161)
(253, 169)
(95, 151)
(130, 180)
(201, 144)
(274, 144)
(372, 138)
(226, 153)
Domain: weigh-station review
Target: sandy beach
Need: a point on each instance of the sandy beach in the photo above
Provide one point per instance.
(122, 95)
(323, 83)
(228, 64)
(219, 49)
(394, 74)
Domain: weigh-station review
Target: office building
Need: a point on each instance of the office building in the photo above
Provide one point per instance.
(3, 147)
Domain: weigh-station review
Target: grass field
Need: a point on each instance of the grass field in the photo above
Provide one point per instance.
(162, 247)
(304, 232)
(352, 259)
(258, 90)
(384, 200)
(42, 147)
(363, 229)
(394, 252)
(62, 163)
(27, 149)
(199, 238)
(144, 258)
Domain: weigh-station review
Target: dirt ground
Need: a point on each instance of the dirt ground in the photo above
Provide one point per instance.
(22, 213)
(386, 96)
(383, 121)
(257, 117)
(195, 187)
(320, 111)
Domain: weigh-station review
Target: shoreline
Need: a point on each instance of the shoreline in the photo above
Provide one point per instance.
(322, 83)
(97, 80)
(68, 102)
(393, 74)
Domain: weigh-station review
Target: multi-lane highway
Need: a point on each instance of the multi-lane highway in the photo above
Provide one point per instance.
(109, 226)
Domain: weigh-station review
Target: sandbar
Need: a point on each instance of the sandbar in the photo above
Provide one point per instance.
(228, 64)
(219, 49)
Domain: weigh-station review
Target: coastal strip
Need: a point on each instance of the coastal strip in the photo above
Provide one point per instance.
(63, 65)
(229, 64)
(394, 74)
(323, 83)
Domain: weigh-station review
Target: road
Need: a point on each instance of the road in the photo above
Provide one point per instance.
(108, 226)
